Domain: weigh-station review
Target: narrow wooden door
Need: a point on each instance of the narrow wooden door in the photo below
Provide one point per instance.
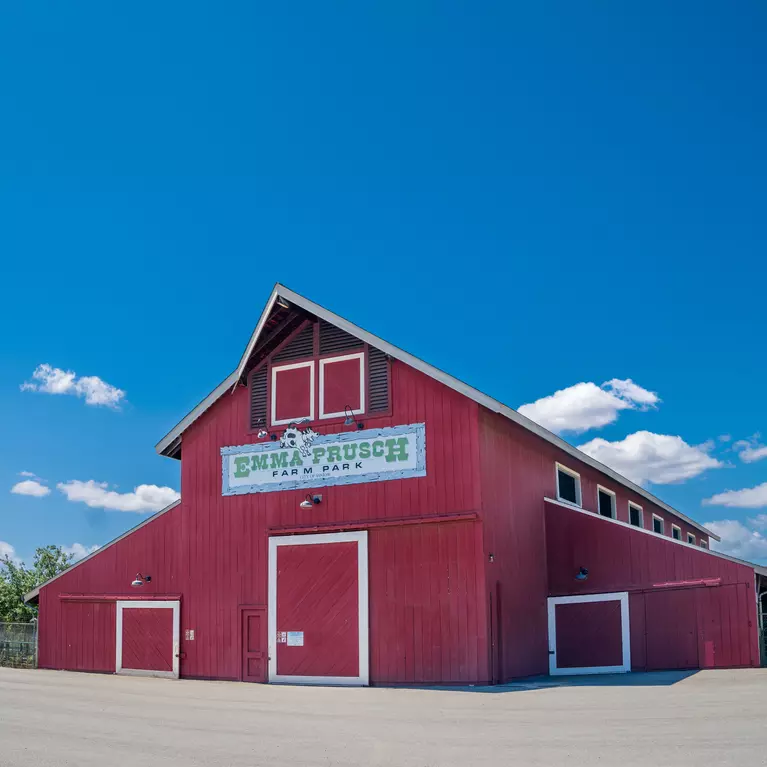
(254, 645)
(672, 630)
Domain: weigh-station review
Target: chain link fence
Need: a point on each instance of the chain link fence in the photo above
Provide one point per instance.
(18, 645)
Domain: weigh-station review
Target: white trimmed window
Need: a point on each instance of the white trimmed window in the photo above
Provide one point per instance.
(636, 515)
(703, 544)
(676, 532)
(606, 502)
(342, 385)
(691, 538)
(292, 392)
(657, 524)
(568, 485)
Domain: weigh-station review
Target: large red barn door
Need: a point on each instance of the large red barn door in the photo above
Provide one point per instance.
(318, 609)
(671, 630)
(147, 638)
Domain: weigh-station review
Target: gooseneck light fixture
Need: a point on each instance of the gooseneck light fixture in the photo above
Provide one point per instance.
(582, 574)
(140, 580)
(350, 419)
(310, 501)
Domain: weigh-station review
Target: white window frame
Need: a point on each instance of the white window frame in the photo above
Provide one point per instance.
(662, 524)
(693, 541)
(611, 493)
(273, 405)
(577, 477)
(703, 544)
(676, 527)
(343, 358)
(160, 604)
(633, 505)
(361, 537)
(618, 596)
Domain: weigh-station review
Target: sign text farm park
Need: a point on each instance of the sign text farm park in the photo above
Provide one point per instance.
(303, 458)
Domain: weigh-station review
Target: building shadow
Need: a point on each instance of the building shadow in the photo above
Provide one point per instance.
(634, 679)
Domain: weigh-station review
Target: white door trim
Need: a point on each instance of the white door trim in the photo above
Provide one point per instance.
(361, 537)
(150, 603)
(618, 596)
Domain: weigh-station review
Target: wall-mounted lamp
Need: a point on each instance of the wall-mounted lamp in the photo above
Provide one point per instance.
(582, 575)
(350, 419)
(491, 557)
(262, 433)
(140, 580)
(310, 501)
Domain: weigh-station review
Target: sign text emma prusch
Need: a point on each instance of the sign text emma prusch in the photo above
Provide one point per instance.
(374, 455)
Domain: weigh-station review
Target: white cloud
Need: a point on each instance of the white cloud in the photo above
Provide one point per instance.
(97, 495)
(78, 551)
(739, 540)
(724, 437)
(52, 380)
(748, 498)
(6, 550)
(30, 487)
(28, 474)
(588, 406)
(646, 457)
(750, 450)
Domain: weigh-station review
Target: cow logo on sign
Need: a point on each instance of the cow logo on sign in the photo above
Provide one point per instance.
(298, 439)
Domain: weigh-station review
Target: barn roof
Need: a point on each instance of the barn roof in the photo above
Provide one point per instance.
(281, 297)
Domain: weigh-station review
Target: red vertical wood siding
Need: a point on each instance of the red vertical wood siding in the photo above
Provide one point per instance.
(147, 638)
(213, 550)
(512, 492)
(620, 558)
(589, 634)
(318, 594)
(428, 621)
(82, 634)
(705, 626)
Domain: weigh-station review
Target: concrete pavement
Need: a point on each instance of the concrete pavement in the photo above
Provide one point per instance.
(61, 718)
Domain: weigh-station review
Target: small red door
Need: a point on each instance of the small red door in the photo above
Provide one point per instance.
(254, 653)
(147, 638)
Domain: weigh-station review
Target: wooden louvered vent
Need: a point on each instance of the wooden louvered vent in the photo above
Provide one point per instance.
(333, 339)
(378, 381)
(258, 399)
(302, 345)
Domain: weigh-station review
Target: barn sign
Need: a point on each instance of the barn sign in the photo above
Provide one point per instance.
(303, 458)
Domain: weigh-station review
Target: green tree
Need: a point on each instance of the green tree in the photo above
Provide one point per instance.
(16, 580)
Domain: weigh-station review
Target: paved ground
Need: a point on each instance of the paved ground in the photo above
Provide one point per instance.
(60, 718)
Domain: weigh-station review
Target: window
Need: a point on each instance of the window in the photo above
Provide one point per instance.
(676, 532)
(703, 544)
(636, 517)
(657, 524)
(605, 502)
(342, 385)
(568, 485)
(691, 538)
(292, 392)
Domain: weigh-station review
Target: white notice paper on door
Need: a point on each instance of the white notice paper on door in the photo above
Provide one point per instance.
(295, 638)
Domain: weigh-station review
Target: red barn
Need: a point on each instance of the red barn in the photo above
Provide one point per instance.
(352, 515)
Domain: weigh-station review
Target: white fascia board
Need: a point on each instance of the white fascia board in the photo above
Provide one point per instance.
(35, 591)
(432, 372)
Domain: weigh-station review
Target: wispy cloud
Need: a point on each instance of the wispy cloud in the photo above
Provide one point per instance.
(6, 550)
(587, 406)
(98, 495)
(750, 450)
(93, 389)
(647, 457)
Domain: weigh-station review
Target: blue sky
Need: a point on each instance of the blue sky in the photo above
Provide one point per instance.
(529, 197)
